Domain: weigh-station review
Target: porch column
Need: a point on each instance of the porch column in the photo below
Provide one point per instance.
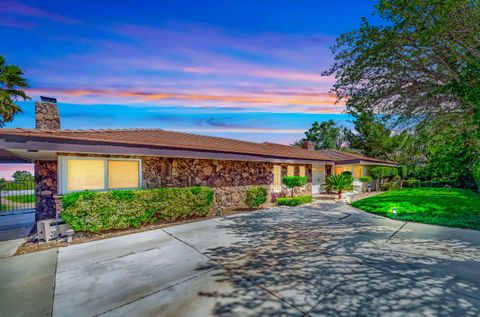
(45, 189)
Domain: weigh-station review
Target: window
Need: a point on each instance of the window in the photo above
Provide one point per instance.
(277, 178)
(302, 170)
(338, 170)
(84, 173)
(122, 174)
(357, 171)
(290, 171)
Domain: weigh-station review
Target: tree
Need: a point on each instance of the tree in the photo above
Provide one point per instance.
(326, 135)
(294, 181)
(11, 78)
(422, 62)
(339, 183)
(22, 176)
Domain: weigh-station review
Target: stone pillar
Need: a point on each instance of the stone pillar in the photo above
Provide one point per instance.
(46, 115)
(308, 145)
(45, 190)
(328, 170)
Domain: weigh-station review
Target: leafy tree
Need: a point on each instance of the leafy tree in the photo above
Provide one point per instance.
(22, 176)
(365, 180)
(294, 181)
(338, 183)
(325, 135)
(422, 62)
(11, 79)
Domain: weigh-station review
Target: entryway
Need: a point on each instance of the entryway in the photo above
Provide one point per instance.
(318, 178)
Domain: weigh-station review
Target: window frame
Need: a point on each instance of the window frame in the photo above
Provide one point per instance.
(63, 172)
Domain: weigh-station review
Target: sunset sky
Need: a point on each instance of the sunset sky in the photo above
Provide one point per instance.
(242, 69)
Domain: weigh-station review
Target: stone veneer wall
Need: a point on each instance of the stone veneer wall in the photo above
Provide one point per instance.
(45, 189)
(229, 179)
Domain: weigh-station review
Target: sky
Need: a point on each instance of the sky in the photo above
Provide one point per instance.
(248, 70)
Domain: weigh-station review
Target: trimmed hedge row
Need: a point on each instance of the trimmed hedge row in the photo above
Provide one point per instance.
(99, 211)
(411, 183)
(294, 201)
(384, 172)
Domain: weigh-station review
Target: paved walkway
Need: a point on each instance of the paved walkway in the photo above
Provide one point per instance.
(317, 260)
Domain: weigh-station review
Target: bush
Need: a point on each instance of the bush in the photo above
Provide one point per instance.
(411, 183)
(294, 201)
(99, 211)
(439, 183)
(402, 171)
(294, 181)
(365, 179)
(256, 196)
(338, 183)
(390, 186)
(384, 172)
(347, 173)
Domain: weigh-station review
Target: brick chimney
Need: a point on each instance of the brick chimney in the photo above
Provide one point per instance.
(309, 145)
(46, 114)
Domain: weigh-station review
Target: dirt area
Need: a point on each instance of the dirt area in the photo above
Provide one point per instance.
(82, 237)
(365, 195)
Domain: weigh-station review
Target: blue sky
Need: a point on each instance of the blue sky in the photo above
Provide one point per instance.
(241, 69)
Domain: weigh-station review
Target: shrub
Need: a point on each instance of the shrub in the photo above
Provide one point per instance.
(384, 172)
(390, 186)
(294, 181)
(439, 183)
(338, 183)
(294, 201)
(402, 171)
(411, 183)
(365, 180)
(256, 196)
(120, 209)
(347, 173)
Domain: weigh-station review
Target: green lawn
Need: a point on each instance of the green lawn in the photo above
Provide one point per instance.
(21, 199)
(441, 206)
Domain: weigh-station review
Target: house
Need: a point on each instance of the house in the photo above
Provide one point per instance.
(75, 160)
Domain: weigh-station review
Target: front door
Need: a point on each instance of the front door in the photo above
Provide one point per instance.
(318, 178)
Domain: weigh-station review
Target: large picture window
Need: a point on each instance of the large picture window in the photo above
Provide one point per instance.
(84, 173)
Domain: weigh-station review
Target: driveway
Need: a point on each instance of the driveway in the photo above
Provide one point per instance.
(316, 260)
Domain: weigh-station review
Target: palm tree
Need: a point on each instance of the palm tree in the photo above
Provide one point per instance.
(339, 183)
(11, 78)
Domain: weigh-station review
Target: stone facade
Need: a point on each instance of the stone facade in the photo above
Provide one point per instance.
(45, 189)
(229, 179)
(47, 116)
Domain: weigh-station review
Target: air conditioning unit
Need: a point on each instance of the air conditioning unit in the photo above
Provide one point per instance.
(52, 229)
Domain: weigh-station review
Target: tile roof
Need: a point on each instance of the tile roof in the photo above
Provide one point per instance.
(171, 139)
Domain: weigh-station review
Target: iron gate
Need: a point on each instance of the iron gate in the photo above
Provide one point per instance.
(17, 195)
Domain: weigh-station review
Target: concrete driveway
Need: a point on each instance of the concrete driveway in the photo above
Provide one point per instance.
(316, 260)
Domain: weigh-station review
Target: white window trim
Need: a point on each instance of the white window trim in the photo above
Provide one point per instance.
(62, 171)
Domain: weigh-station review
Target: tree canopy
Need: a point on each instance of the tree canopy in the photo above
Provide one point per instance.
(325, 135)
(423, 62)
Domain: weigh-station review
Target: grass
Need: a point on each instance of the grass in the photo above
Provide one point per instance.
(450, 207)
(21, 199)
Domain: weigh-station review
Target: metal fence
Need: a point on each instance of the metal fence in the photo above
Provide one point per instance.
(17, 195)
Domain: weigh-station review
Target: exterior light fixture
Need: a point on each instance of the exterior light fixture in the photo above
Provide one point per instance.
(394, 212)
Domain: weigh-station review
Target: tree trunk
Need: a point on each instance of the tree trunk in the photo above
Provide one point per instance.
(339, 194)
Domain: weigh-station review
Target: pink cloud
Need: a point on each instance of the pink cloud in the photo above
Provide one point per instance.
(19, 9)
(7, 170)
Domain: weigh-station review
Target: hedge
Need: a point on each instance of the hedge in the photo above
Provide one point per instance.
(256, 196)
(390, 186)
(384, 172)
(411, 183)
(294, 181)
(99, 211)
(294, 201)
(440, 183)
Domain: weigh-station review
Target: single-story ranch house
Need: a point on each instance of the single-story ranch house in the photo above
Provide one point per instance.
(75, 160)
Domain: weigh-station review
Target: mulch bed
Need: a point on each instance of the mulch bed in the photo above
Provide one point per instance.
(82, 237)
